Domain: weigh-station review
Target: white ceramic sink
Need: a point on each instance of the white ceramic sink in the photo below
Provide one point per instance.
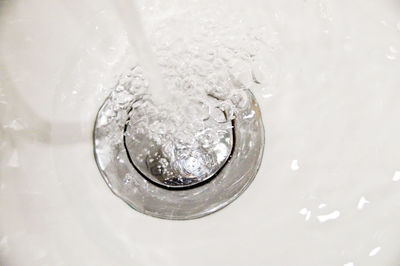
(327, 193)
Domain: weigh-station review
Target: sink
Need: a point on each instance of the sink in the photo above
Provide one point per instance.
(325, 74)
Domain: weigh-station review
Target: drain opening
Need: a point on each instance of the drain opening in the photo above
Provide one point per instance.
(179, 183)
(177, 180)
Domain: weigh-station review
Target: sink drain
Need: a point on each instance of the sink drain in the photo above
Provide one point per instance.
(177, 180)
(193, 167)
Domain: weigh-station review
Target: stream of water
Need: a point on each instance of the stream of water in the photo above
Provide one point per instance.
(210, 78)
(131, 20)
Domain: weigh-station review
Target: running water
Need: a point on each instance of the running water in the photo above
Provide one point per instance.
(130, 18)
(209, 68)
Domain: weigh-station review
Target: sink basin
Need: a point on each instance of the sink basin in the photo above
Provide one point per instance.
(325, 74)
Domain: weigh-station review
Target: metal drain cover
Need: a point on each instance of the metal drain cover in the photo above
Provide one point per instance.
(188, 166)
(185, 187)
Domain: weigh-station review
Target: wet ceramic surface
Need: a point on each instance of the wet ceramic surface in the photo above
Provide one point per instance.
(327, 193)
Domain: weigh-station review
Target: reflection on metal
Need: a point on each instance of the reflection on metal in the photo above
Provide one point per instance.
(192, 167)
(188, 187)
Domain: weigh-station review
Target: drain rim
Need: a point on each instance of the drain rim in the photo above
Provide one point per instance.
(182, 204)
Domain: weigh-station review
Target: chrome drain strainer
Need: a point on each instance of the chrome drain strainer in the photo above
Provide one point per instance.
(190, 183)
(190, 167)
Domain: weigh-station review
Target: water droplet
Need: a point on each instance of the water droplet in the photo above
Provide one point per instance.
(396, 176)
(363, 201)
(250, 115)
(331, 216)
(127, 179)
(391, 57)
(375, 251)
(295, 165)
(303, 211)
(306, 213)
